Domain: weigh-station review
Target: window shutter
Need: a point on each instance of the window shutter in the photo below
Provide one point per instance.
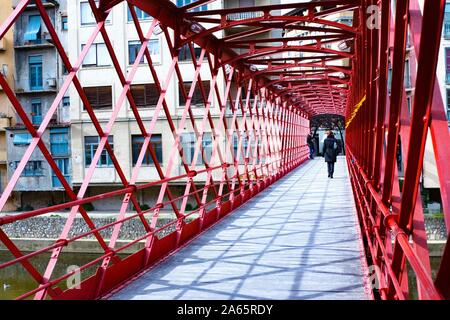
(99, 97)
(138, 93)
(104, 97)
(152, 95)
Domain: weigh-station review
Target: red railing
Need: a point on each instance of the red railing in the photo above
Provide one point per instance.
(391, 215)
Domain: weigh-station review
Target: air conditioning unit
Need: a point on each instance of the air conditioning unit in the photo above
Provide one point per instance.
(51, 82)
(47, 37)
(2, 44)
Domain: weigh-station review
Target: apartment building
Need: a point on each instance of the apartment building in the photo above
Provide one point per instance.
(38, 78)
(430, 174)
(7, 117)
(443, 69)
(102, 88)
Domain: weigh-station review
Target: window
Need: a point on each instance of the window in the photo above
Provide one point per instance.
(389, 80)
(347, 20)
(32, 169)
(91, 145)
(243, 94)
(137, 143)
(66, 102)
(64, 166)
(182, 3)
(446, 26)
(197, 98)
(243, 151)
(407, 75)
(97, 56)
(33, 31)
(87, 17)
(64, 25)
(185, 53)
(59, 141)
(145, 95)
(188, 144)
(448, 104)
(399, 155)
(408, 103)
(189, 141)
(135, 46)
(447, 65)
(64, 70)
(36, 111)
(100, 98)
(141, 15)
(207, 145)
(35, 72)
(22, 139)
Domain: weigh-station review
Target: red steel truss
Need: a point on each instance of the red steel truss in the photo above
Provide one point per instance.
(276, 77)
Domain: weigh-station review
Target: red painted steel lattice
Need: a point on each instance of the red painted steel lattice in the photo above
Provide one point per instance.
(268, 98)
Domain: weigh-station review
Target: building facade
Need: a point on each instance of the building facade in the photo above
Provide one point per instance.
(38, 78)
(102, 88)
(7, 117)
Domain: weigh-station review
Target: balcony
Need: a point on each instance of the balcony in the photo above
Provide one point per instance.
(45, 3)
(36, 119)
(24, 86)
(43, 41)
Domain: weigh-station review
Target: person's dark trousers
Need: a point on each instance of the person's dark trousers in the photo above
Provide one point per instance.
(311, 152)
(330, 169)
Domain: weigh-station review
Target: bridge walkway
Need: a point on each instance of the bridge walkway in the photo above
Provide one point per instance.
(298, 239)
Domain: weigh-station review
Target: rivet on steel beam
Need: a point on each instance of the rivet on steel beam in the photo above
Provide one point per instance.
(62, 242)
(192, 173)
(391, 221)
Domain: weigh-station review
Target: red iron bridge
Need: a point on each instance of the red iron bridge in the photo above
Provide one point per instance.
(271, 226)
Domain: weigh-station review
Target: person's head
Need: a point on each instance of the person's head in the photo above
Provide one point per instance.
(330, 134)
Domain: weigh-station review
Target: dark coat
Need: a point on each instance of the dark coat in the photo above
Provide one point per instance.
(309, 141)
(329, 152)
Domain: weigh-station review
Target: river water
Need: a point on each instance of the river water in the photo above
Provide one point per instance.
(15, 280)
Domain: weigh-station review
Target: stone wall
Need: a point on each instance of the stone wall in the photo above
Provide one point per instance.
(51, 227)
(435, 228)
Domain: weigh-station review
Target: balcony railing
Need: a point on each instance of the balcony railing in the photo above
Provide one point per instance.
(243, 15)
(36, 120)
(57, 184)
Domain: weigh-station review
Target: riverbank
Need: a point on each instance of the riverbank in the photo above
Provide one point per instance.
(38, 232)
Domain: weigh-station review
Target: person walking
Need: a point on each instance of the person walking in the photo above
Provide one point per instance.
(330, 147)
(310, 142)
